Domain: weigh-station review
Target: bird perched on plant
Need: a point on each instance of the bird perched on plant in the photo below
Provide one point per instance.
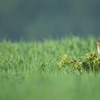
(98, 46)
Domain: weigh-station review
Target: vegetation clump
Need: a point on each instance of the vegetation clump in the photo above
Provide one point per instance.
(90, 62)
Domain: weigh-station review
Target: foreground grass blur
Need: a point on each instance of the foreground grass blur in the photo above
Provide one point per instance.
(30, 70)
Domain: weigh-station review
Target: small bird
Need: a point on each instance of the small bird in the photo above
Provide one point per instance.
(98, 46)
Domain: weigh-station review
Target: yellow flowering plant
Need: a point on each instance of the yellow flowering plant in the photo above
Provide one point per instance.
(89, 62)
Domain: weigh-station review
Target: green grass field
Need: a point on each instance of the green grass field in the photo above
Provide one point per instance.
(30, 71)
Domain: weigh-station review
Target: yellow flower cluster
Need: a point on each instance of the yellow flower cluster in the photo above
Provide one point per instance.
(90, 62)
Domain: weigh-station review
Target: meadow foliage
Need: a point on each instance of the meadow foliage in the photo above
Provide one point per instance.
(50, 70)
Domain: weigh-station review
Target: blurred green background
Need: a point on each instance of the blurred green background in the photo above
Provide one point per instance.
(39, 19)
